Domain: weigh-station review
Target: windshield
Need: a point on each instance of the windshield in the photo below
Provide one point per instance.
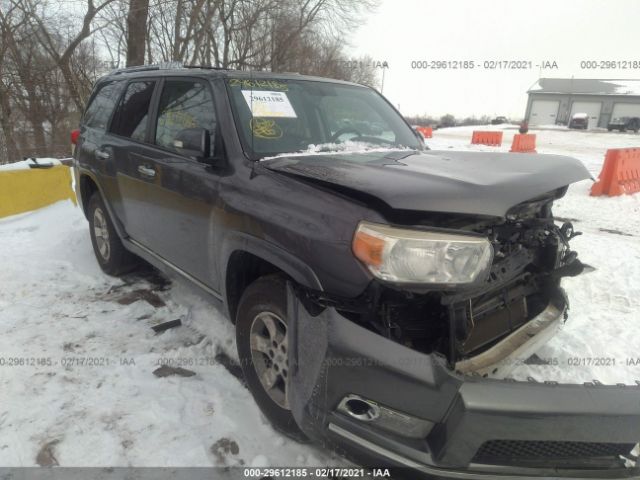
(277, 116)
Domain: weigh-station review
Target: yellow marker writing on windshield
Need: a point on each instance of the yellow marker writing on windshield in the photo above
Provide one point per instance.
(265, 128)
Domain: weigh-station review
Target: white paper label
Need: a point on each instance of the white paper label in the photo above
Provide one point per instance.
(269, 104)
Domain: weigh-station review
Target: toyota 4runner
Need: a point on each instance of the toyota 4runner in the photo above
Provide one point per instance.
(380, 290)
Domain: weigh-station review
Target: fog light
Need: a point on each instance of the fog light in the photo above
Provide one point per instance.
(383, 417)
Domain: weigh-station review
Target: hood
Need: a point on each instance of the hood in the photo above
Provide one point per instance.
(478, 183)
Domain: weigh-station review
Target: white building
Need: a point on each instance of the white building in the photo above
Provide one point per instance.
(554, 101)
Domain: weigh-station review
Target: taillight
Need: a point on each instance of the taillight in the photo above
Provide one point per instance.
(74, 136)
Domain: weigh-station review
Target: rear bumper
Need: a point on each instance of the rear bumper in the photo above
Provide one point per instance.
(333, 358)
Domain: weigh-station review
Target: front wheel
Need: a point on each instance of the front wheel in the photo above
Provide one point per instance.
(262, 335)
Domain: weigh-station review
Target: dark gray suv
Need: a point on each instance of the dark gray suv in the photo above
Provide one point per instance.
(375, 285)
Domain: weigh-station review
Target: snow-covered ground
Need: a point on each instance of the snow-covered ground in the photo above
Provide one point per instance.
(77, 355)
(77, 352)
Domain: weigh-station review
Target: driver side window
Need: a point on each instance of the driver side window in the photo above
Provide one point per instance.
(184, 105)
(355, 117)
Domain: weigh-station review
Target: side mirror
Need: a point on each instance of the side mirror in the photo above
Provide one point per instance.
(194, 142)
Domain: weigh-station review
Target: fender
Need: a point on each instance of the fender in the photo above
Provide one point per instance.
(84, 172)
(291, 265)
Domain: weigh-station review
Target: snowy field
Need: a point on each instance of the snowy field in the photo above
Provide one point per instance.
(58, 310)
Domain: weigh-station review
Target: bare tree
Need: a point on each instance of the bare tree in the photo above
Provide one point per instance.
(45, 79)
(137, 34)
(249, 34)
(6, 112)
(49, 59)
(62, 52)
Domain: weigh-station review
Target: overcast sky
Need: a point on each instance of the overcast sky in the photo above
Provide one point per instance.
(564, 31)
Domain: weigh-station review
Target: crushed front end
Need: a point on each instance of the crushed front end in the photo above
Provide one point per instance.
(400, 375)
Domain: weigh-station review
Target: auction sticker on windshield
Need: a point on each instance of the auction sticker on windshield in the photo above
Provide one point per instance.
(269, 104)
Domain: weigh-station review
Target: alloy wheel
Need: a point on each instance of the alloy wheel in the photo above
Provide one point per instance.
(269, 354)
(101, 232)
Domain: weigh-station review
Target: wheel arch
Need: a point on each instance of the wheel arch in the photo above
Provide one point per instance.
(88, 185)
(247, 258)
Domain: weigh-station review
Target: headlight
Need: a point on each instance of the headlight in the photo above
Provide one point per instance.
(415, 256)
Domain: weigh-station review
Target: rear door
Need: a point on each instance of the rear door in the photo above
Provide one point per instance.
(90, 148)
(128, 145)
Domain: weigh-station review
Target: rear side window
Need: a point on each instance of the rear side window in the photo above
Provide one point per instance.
(102, 104)
(132, 116)
(184, 105)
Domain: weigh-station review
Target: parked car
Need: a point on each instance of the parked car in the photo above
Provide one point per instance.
(580, 121)
(372, 291)
(624, 123)
(499, 121)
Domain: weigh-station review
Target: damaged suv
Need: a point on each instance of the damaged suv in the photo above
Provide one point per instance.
(380, 290)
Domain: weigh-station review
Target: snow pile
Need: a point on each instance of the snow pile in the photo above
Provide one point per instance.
(24, 164)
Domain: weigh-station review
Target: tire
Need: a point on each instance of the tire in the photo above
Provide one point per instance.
(264, 302)
(112, 257)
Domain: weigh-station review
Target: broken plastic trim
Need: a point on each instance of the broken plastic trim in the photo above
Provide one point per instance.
(521, 344)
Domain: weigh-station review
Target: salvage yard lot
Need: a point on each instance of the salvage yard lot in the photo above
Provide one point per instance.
(77, 353)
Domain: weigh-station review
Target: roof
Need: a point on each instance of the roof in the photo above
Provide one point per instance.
(179, 70)
(586, 86)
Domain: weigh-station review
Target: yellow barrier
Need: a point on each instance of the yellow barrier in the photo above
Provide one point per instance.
(24, 190)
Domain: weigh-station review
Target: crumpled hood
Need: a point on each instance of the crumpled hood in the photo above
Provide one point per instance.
(480, 183)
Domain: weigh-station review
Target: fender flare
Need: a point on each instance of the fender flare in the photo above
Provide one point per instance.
(83, 172)
(279, 257)
(291, 265)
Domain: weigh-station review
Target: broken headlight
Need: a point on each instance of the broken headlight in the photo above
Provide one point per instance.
(415, 256)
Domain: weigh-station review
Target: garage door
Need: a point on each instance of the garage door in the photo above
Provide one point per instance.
(625, 110)
(544, 112)
(590, 108)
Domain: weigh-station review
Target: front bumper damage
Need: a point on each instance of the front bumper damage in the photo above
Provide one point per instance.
(383, 404)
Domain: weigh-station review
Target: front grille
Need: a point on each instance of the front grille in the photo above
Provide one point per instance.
(500, 452)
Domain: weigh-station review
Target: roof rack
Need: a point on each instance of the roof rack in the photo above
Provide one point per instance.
(167, 66)
(208, 67)
(145, 68)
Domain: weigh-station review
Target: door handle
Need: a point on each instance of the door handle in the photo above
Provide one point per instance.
(146, 171)
(102, 155)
